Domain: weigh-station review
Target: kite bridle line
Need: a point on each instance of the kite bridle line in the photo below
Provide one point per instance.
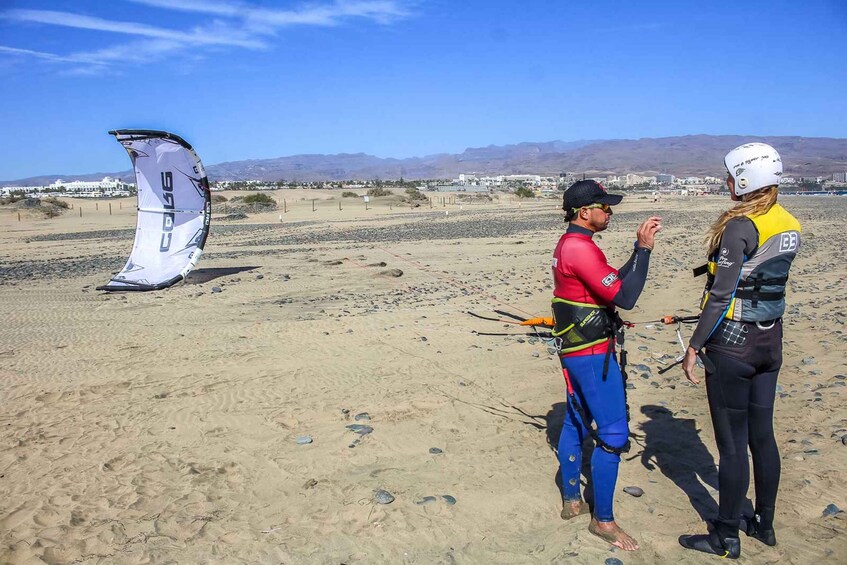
(548, 323)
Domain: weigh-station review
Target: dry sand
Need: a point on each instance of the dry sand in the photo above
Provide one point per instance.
(162, 427)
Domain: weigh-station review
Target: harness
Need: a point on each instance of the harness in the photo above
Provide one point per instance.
(581, 325)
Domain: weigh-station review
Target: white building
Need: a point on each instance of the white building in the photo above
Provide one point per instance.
(7, 190)
(106, 187)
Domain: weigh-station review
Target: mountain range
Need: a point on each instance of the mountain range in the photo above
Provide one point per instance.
(690, 155)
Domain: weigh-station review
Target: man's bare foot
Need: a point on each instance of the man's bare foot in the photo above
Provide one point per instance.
(573, 508)
(613, 534)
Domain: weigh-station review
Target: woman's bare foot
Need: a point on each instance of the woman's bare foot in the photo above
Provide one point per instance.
(613, 534)
(573, 508)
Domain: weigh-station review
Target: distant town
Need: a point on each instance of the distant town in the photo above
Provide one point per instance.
(527, 185)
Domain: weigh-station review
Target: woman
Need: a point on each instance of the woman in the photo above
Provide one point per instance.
(750, 248)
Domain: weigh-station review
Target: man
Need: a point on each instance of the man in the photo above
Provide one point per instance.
(587, 292)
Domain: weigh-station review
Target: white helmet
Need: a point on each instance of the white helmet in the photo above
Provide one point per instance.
(753, 166)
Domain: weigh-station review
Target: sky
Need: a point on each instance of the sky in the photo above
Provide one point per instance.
(255, 79)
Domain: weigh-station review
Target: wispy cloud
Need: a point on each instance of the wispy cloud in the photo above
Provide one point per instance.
(325, 14)
(200, 6)
(231, 24)
(15, 52)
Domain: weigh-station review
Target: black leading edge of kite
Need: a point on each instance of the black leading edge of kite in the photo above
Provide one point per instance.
(151, 133)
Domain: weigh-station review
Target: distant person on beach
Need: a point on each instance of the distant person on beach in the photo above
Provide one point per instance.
(750, 250)
(587, 291)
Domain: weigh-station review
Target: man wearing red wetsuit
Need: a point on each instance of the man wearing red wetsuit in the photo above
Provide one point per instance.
(587, 291)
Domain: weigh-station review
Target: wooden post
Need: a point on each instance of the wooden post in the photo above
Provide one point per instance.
(80, 211)
(19, 216)
(96, 205)
(110, 208)
(284, 206)
(339, 205)
(313, 204)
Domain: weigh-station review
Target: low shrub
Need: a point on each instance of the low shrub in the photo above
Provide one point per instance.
(415, 194)
(53, 201)
(259, 199)
(11, 199)
(378, 191)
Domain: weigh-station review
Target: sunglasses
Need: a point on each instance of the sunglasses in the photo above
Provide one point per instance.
(605, 207)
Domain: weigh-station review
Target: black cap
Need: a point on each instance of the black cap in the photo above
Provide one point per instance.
(587, 192)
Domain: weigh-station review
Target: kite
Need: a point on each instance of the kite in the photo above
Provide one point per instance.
(174, 210)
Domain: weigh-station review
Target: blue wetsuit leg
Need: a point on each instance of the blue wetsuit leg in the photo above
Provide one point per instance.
(603, 401)
(570, 450)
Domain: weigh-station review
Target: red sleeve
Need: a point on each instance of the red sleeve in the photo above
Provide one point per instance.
(596, 274)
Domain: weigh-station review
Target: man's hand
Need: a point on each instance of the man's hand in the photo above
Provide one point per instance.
(647, 231)
(689, 364)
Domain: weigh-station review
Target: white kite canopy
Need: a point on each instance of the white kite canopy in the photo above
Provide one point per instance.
(174, 209)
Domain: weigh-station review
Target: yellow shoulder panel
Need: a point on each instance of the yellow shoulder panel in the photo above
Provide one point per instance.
(774, 221)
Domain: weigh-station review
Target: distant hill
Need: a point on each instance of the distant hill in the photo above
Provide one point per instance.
(682, 156)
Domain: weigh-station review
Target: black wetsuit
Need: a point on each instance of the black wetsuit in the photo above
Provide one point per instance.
(747, 357)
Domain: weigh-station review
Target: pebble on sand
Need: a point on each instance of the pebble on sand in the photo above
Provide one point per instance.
(426, 500)
(634, 491)
(392, 273)
(383, 497)
(216, 289)
(436, 450)
(448, 499)
(304, 440)
(362, 416)
(831, 510)
(612, 561)
(360, 429)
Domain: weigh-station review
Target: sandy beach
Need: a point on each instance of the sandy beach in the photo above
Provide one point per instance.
(173, 426)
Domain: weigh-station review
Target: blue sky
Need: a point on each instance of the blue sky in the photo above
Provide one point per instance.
(244, 79)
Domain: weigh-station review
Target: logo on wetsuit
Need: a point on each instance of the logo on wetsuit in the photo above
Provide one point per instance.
(610, 279)
(722, 262)
(788, 242)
